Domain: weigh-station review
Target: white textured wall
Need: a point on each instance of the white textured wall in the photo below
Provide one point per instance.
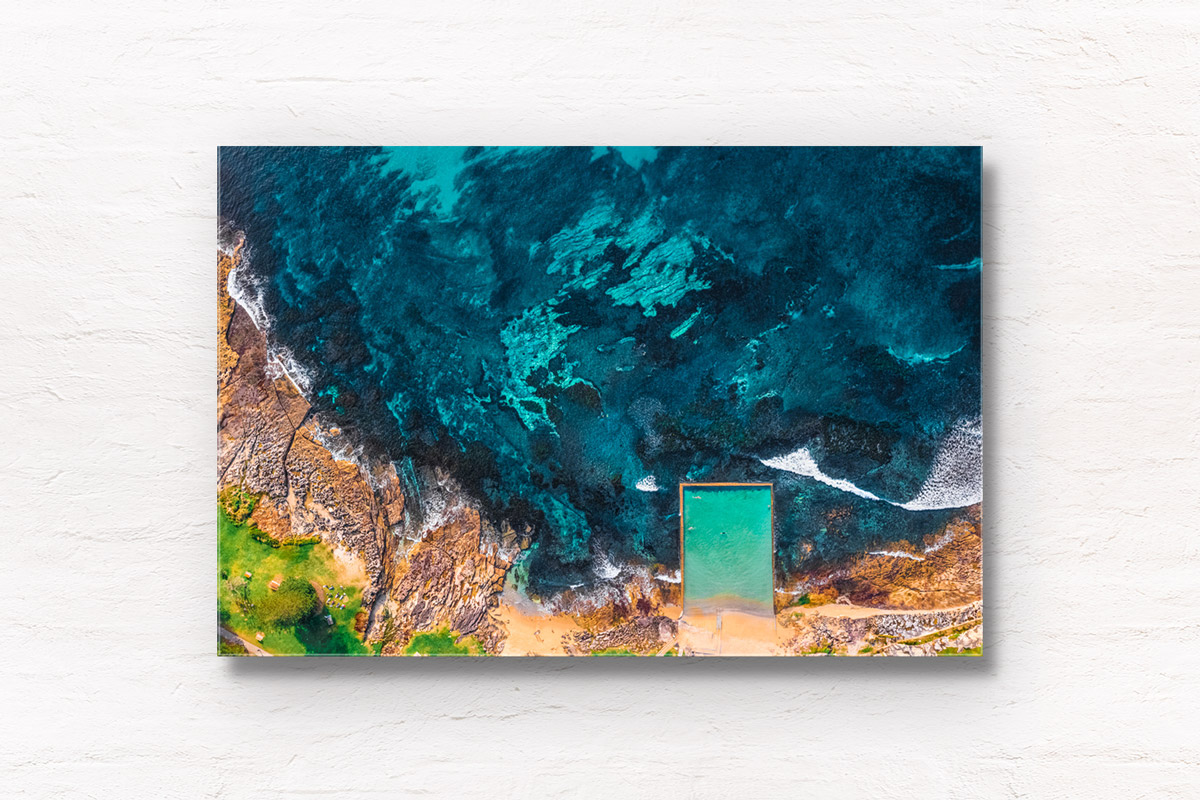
(110, 115)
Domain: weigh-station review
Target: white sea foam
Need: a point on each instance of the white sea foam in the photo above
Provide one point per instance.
(246, 291)
(344, 450)
(584, 598)
(802, 462)
(435, 512)
(604, 568)
(895, 554)
(647, 484)
(283, 364)
(954, 481)
(941, 542)
(618, 582)
(440, 502)
(229, 238)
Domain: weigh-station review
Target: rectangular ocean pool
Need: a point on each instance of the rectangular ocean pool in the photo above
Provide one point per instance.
(728, 546)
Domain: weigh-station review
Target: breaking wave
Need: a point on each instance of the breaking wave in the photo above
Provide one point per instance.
(647, 484)
(604, 568)
(802, 462)
(954, 481)
(284, 365)
(247, 291)
(895, 554)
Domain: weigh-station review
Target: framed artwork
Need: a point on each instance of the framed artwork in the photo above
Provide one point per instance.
(574, 401)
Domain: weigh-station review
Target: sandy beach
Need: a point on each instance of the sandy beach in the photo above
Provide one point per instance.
(727, 633)
(532, 632)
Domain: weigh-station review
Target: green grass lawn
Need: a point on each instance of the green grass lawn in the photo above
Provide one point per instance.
(442, 643)
(227, 648)
(952, 633)
(961, 651)
(241, 553)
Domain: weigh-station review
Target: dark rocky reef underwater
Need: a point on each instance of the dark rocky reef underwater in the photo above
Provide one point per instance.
(564, 330)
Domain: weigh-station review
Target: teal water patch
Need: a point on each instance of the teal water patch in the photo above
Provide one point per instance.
(636, 156)
(433, 170)
(685, 325)
(533, 342)
(633, 156)
(975, 263)
(915, 359)
(727, 545)
(661, 278)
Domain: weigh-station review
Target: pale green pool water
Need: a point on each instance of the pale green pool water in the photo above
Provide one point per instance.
(727, 546)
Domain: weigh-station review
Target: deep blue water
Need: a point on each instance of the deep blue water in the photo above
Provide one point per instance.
(551, 326)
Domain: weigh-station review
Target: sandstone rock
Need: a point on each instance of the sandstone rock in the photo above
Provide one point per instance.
(451, 578)
(884, 632)
(641, 635)
(268, 444)
(944, 571)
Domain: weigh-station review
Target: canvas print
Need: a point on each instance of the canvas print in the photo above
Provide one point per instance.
(599, 401)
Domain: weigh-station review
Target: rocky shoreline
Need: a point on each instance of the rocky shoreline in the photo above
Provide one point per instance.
(855, 630)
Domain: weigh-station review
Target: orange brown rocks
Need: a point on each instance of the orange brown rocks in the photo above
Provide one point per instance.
(452, 578)
(270, 446)
(640, 635)
(943, 571)
(847, 630)
(227, 358)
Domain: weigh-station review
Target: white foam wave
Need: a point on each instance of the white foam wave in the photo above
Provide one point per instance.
(647, 484)
(604, 568)
(895, 554)
(246, 291)
(941, 542)
(344, 450)
(440, 502)
(954, 481)
(283, 364)
(634, 579)
(230, 239)
(620, 582)
(802, 462)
